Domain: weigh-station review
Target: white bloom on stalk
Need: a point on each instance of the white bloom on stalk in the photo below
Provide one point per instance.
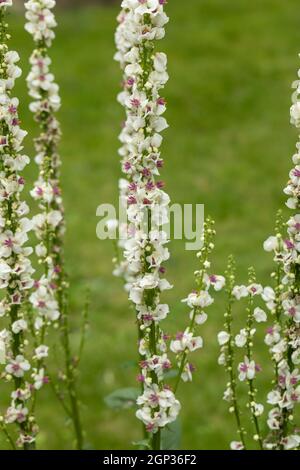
(271, 244)
(260, 315)
(241, 338)
(186, 341)
(18, 366)
(15, 266)
(240, 291)
(144, 69)
(223, 338)
(246, 370)
(283, 337)
(48, 224)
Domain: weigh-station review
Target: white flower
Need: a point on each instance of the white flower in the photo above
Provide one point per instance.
(112, 226)
(186, 341)
(16, 414)
(291, 309)
(18, 326)
(259, 315)
(223, 338)
(255, 289)
(296, 357)
(246, 370)
(268, 295)
(258, 409)
(274, 419)
(18, 366)
(273, 335)
(41, 351)
(293, 441)
(295, 114)
(200, 318)
(199, 299)
(271, 244)
(2, 351)
(222, 359)
(218, 282)
(239, 292)
(241, 339)
(5, 3)
(236, 445)
(39, 379)
(274, 397)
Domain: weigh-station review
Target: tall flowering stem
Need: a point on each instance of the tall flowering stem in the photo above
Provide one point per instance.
(141, 24)
(283, 336)
(248, 368)
(15, 266)
(49, 299)
(186, 342)
(227, 357)
(255, 408)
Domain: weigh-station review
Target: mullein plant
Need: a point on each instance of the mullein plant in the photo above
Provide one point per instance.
(282, 302)
(198, 301)
(145, 251)
(49, 299)
(143, 239)
(16, 355)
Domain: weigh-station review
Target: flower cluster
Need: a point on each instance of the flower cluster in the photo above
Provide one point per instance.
(48, 225)
(145, 251)
(283, 301)
(15, 266)
(49, 297)
(197, 301)
(229, 342)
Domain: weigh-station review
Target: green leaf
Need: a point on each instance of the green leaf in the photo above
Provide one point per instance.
(171, 374)
(171, 436)
(145, 444)
(122, 399)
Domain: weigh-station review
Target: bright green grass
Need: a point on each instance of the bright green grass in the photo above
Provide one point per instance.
(229, 146)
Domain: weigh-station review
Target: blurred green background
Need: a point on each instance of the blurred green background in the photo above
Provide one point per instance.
(231, 65)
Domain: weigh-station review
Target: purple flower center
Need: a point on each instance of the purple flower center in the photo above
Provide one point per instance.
(153, 398)
(131, 200)
(243, 367)
(161, 101)
(127, 166)
(146, 201)
(9, 243)
(292, 311)
(135, 102)
(289, 244)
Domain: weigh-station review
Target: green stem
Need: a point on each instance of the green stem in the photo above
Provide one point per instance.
(71, 384)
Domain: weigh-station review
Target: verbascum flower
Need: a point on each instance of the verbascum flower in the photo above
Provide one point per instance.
(15, 265)
(282, 337)
(48, 224)
(145, 251)
(48, 298)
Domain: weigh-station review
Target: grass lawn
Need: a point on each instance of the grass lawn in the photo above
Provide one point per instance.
(229, 144)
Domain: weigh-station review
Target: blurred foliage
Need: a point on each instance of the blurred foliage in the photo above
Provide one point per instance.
(229, 144)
